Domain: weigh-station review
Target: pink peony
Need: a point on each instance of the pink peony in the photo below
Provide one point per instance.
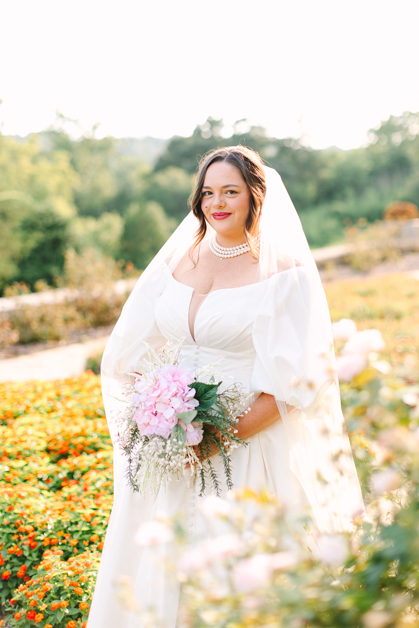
(159, 398)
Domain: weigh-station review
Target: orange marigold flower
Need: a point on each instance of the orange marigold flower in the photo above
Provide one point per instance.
(18, 615)
(100, 546)
(84, 578)
(12, 601)
(94, 538)
(39, 617)
(71, 624)
(74, 584)
(33, 544)
(19, 552)
(83, 606)
(50, 626)
(30, 615)
(64, 603)
(1, 622)
(42, 607)
(1, 560)
(41, 595)
(47, 586)
(33, 603)
(55, 605)
(73, 542)
(78, 590)
(84, 624)
(6, 575)
(55, 541)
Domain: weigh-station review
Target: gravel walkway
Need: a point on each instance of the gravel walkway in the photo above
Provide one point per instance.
(57, 363)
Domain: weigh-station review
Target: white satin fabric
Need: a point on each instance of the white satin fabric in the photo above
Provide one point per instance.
(228, 329)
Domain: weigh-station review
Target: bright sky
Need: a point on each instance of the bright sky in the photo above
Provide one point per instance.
(330, 69)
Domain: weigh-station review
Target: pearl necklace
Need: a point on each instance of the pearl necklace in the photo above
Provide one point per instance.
(225, 252)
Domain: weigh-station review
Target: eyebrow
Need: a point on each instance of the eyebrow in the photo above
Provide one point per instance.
(229, 185)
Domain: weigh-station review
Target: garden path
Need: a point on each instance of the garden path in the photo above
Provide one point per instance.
(57, 363)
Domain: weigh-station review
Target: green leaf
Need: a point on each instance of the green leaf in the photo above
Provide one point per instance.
(187, 417)
(179, 434)
(206, 394)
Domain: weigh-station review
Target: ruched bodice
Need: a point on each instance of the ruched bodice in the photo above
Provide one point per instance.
(222, 327)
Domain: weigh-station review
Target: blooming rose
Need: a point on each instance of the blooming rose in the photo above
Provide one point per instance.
(345, 328)
(252, 573)
(386, 480)
(153, 533)
(332, 549)
(364, 342)
(194, 432)
(348, 366)
(160, 397)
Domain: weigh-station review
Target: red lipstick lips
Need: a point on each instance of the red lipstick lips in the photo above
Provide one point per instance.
(220, 215)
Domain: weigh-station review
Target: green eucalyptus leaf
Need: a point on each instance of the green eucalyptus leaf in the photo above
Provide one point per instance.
(178, 433)
(187, 417)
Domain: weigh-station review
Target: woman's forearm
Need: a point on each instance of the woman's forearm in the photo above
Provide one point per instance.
(263, 413)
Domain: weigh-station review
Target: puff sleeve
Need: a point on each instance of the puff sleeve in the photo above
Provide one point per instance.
(295, 363)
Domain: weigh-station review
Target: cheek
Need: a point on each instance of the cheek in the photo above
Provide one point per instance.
(205, 207)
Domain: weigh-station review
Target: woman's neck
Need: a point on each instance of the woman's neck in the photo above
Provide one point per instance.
(227, 240)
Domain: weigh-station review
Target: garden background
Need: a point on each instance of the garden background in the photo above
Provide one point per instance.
(79, 215)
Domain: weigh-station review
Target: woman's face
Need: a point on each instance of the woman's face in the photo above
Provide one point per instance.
(225, 200)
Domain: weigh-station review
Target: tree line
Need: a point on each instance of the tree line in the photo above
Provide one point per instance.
(58, 193)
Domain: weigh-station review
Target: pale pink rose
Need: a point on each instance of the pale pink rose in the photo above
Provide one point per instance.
(377, 619)
(226, 545)
(410, 399)
(332, 549)
(283, 560)
(252, 573)
(387, 480)
(153, 533)
(348, 366)
(364, 342)
(345, 328)
(194, 436)
(213, 506)
(195, 559)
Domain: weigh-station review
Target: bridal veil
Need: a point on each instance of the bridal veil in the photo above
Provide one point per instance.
(294, 348)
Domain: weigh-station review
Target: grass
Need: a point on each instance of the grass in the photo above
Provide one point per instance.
(389, 303)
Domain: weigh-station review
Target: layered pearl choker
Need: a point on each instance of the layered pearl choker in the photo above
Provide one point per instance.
(225, 252)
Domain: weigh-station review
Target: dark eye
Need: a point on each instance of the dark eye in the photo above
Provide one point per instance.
(206, 193)
(231, 192)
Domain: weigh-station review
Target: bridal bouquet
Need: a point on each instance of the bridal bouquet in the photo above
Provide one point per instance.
(172, 419)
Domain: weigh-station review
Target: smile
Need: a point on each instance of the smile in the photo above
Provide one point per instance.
(221, 215)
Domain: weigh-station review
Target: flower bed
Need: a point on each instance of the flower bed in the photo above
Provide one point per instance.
(55, 499)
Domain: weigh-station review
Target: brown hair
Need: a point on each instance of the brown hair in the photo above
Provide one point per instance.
(250, 166)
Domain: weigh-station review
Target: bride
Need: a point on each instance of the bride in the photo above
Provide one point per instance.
(238, 283)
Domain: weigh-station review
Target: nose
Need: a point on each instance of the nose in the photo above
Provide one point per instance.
(217, 201)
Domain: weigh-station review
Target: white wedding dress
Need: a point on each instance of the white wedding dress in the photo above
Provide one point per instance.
(229, 326)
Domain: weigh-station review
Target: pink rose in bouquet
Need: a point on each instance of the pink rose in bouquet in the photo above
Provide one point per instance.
(161, 397)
